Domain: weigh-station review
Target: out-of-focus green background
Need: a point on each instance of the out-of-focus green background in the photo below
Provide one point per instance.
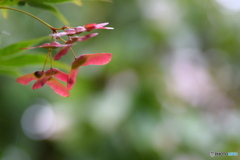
(171, 91)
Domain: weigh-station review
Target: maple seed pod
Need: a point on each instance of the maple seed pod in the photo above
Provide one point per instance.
(48, 75)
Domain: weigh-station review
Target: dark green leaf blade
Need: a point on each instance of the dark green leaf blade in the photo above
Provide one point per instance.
(31, 59)
(50, 1)
(10, 71)
(14, 50)
(8, 2)
(49, 8)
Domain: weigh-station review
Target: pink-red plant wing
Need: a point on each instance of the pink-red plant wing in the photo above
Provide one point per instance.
(62, 52)
(29, 77)
(58, 87)
(60, 75)
(72, 78)
(97, 58)
(41, 81)
(92, 26)
(68, 32)
(26, 78)
(79, 29)
(84, 38)
(52, 45)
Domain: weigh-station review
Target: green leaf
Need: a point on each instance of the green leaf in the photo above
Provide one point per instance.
(49, 8)
(15, 50)
(5, 13)
(31, 59)
(8, 2)
(10, 71)
(15, 2)
(43, 4)
(50, 1)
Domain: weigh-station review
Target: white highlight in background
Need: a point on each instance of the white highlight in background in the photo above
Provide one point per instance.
(230, 4)
(43, 122)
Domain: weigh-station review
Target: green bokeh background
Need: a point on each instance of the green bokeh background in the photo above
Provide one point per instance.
(171, 90)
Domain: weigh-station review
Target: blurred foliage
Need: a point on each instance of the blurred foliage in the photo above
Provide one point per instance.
(43, 4)
(171, 90)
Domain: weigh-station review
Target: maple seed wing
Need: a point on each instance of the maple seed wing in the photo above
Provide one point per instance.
(60, 75)
(97, 59)
(72, 78)
(26, 78)
(86, 37)
(58, 34)
(32, 47)
(40, 82)
(58, 87)
(62, 52)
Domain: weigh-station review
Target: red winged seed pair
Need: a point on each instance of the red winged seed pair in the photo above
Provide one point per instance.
(51, 75)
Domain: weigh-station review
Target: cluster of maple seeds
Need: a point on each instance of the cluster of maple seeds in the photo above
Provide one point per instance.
(49, 77)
